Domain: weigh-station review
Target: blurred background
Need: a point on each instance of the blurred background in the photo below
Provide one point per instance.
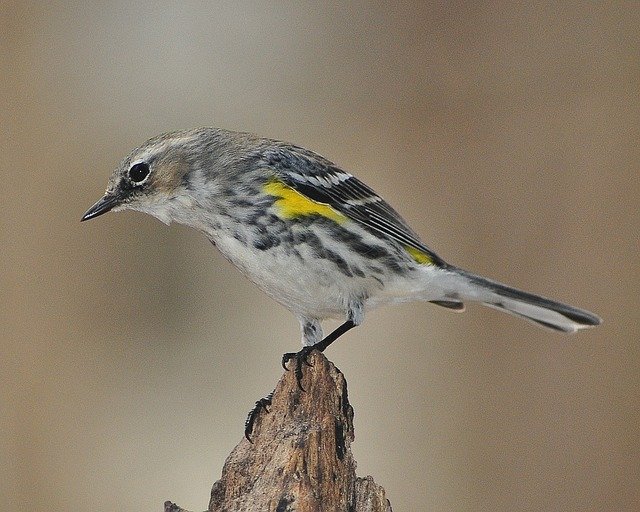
(506, 134)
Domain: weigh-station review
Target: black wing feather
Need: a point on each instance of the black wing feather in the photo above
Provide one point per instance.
(320, 180)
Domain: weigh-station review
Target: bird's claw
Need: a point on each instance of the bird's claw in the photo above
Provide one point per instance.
(262, 404)
(301, 358)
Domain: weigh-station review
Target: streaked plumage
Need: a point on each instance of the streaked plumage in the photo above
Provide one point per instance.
(309, 234)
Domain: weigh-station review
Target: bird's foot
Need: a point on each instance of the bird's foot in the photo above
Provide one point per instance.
(262, 404)
(300, 358)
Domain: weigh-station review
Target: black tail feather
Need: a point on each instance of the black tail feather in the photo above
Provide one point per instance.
(528, 305)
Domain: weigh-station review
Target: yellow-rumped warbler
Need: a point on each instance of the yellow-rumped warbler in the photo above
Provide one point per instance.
(312, 236)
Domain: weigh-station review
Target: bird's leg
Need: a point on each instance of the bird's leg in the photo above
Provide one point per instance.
(301, 356)
(261, 404)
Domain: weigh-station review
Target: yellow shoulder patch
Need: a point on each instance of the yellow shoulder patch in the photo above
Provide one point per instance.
(418, 256)
(292, 204)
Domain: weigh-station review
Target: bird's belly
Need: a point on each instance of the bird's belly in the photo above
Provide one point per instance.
(299, 280)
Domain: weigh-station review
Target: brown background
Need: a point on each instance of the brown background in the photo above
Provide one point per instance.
(507, 135)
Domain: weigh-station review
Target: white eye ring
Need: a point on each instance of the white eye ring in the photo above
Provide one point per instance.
(138, 173)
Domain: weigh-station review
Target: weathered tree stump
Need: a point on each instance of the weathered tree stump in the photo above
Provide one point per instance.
(300, 457)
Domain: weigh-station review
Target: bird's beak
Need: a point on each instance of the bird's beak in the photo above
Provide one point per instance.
(106, 203)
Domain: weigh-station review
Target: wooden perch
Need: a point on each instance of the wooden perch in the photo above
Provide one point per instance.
(300, 458)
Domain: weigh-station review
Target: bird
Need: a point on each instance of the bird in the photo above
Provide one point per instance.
(308, 233)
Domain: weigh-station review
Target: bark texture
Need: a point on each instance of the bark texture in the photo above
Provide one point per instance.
(300, 457)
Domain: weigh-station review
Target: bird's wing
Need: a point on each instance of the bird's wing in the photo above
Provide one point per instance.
(323, 182)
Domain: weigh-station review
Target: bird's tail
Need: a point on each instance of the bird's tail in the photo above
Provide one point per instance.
(542, 311)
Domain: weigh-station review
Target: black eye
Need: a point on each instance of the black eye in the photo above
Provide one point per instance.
(139, 172)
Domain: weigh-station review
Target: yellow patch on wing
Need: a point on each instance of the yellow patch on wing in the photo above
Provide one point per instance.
(292, 204)
(419, 256)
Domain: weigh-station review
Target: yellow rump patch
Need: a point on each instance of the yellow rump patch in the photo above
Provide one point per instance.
(292, 203)
(418, 256)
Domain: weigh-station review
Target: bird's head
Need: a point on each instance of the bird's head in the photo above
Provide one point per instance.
(169, 174)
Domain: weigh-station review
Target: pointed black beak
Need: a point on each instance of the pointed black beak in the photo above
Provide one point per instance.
(106, 203)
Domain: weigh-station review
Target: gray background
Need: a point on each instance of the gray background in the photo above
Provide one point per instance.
(505, 133)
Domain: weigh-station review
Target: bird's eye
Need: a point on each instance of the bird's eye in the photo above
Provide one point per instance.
(139, 172)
